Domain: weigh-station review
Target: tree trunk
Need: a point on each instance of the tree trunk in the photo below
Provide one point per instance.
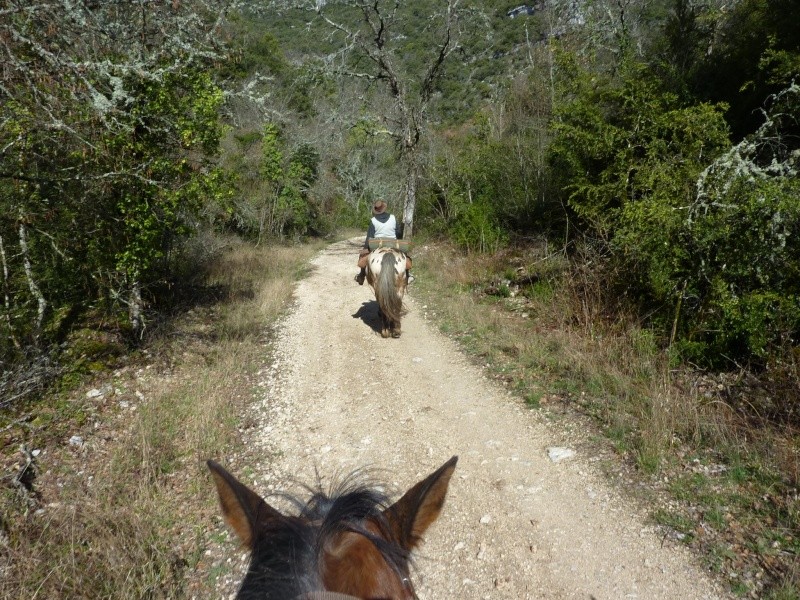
(135, 309)
(410, 155)
(6, 298)
(32, 286)
(410, 204)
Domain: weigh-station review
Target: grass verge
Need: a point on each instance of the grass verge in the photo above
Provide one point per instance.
(105, 493)
(722, 484)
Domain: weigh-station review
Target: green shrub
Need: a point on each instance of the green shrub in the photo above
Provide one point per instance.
(746, 258)
(475, 230)
(704, 234)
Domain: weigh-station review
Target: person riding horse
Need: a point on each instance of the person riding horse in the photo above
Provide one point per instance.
(382, 225)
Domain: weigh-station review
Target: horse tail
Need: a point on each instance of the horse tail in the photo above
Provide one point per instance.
(386, 289)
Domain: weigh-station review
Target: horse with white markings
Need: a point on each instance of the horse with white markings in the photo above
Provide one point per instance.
(386, 273)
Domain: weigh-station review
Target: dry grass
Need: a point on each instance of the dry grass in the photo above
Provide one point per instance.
(549, 336)
(726, 486)
(127, 514)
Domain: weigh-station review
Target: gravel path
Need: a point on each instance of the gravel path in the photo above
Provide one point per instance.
(515, 524)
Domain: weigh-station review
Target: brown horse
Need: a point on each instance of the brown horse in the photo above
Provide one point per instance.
(349, 544)
(386, 273)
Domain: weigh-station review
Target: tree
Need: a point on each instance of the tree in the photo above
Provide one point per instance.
(748, 51)
(368, 38)
(288, 208)
(108, 124)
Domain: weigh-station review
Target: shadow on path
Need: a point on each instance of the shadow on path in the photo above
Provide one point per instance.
(368, 313)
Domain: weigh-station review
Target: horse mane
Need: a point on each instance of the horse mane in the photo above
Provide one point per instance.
(288, 551)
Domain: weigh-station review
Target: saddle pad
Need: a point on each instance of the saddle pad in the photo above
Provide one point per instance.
(403, 246)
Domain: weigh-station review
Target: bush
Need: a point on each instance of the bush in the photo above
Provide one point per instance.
(744, 225)
(708, 246)
(475, 231)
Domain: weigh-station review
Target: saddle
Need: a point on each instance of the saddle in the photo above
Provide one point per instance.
(401, 245)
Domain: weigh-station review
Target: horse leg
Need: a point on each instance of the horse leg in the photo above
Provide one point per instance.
(386, 328)
(396, 329)
(384, 324)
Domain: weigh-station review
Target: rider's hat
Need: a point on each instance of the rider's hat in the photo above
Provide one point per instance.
(379, 207)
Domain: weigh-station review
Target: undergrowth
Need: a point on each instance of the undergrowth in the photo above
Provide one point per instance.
(105, 492)
(723, 482)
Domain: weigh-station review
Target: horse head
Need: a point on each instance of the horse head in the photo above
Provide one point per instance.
(350, 542)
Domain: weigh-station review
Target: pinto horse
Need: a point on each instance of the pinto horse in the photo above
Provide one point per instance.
(349, 544)
(386, 273)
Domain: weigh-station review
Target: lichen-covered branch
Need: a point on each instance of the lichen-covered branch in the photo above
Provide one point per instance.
(29, 276)
(763, 155)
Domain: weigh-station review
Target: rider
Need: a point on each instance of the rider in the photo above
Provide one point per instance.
(384, 225)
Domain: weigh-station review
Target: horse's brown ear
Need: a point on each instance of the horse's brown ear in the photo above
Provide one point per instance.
(420, 506)
(243, 509)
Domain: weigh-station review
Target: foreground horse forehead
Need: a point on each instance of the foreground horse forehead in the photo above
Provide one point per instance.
(349, 543)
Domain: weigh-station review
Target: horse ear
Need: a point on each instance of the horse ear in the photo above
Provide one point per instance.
(244, 510)
(420, 506)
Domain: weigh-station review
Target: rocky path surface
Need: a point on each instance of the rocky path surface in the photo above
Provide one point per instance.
(516, 524)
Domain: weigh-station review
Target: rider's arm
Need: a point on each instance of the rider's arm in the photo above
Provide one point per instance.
(370, 233)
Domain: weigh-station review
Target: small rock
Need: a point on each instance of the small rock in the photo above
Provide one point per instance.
(76, 440)
(94, 393)
(481, 552)
(486, 519)
(557, 454)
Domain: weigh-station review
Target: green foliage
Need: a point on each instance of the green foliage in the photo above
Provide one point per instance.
(272, 156)
(747, 53)
(293, 204)
(257, 56)
(630, 153)
(712, 252)
(747, 260)
(105, 212)
(495, 183)
(475, 229)
(170, 117)
(279, 201)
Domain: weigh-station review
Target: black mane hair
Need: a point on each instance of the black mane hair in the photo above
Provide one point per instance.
(285, 561)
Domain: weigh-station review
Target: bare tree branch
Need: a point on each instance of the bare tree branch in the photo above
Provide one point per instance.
(376, 42)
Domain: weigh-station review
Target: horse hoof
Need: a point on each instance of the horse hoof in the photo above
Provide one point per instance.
(395, 334)
(384, 334)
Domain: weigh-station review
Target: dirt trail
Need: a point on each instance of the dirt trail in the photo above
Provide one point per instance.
(516, 524)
